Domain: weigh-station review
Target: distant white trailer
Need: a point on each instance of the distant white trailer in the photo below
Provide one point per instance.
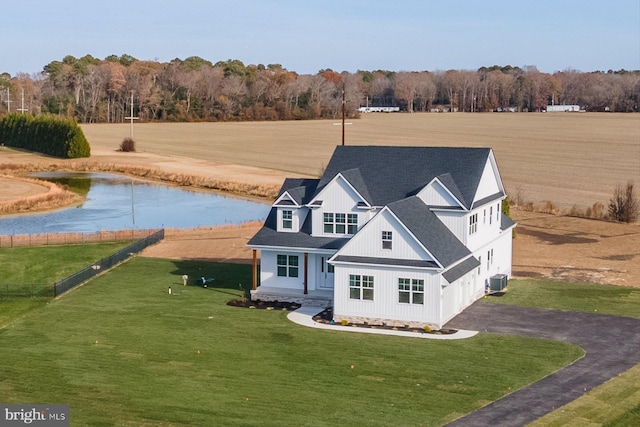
(379, 109)
(562, 108)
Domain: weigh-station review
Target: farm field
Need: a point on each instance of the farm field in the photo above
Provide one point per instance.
(568, 159)
(577, 158)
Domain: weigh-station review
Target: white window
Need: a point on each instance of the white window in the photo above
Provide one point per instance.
(387, 239)
(352, 223)
(490, 213)
(498, 213)
(287, 219)
(473, 223)
(288, 265)
(328, 222)
(340, 223)
(410, 291)
(361, 287)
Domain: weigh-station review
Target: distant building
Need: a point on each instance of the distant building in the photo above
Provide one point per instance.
(562, 108)
(379, 109)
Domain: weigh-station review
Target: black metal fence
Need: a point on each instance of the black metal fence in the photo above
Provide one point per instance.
(106, 263)
(26, 290)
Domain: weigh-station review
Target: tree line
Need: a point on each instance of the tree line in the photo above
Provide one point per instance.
(91, 90)
(47, 134)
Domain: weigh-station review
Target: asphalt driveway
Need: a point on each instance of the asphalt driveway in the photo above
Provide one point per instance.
(612, 346)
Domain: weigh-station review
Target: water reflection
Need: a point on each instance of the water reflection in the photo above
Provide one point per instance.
(116, 203)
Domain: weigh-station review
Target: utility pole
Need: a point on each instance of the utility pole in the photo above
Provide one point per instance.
(8, 101)
(343, 112)
(131, 118)
(344, 106)
(22, 109)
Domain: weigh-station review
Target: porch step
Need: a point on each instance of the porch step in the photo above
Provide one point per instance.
(322, 299)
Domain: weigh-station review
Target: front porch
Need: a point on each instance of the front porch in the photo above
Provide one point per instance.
(317, 298)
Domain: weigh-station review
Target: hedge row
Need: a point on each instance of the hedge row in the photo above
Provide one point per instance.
(49, 135)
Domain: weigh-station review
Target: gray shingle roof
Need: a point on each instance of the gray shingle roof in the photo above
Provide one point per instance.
(387, 261)
(461, 269)
(300, 189)
(394, 173)
(506, 222)
(429, 230)
(269, 236)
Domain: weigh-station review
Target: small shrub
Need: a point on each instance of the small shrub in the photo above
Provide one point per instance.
(576, 212)
(427, 329)
(548, 207)
(344, 322)
(128, 145)
(597, 211)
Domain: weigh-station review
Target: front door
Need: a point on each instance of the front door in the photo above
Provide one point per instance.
(325, 271)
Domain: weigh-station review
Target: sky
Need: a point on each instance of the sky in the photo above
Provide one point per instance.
(348, 35)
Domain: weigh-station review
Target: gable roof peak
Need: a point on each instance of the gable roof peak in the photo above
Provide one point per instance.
(391, 173)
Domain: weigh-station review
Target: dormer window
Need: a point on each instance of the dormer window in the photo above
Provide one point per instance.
(387, 239)
(287, 220)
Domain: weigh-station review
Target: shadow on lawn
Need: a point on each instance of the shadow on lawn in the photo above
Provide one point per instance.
(217, 275)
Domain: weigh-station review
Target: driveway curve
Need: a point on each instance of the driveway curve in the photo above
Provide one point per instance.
(611, 344)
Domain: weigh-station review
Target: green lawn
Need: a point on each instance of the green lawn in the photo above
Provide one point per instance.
(122, 351)
(47, 264)
(616, 403)
(584, 297)
(26, 269)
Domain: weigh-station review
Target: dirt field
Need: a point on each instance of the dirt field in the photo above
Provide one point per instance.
(569, 159)
(546, 246)
(573, 158)
(13, 189)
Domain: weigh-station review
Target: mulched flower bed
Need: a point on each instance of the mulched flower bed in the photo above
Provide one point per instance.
(326, 316)
(265, 305)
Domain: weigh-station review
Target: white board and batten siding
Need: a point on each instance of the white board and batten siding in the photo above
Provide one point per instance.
(337, 197)
(385, 305)
(459, 295)
(368, 242)
(436, 194)
(298, 216)
(490, 182)
(269, 268)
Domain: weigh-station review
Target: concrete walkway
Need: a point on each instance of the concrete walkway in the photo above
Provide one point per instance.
(612, 346)
(304, 316)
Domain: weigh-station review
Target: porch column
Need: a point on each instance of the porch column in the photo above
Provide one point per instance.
(254, 283)
(306, 276)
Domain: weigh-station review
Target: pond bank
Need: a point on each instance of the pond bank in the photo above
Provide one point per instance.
(27, 195)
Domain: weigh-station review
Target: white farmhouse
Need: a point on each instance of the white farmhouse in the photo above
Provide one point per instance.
(394, 235)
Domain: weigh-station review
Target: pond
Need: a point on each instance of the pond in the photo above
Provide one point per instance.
(117, 202)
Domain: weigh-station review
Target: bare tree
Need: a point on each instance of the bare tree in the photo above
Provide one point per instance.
(624, 205)
(426, 90)
(231, 92)
(406, 88)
